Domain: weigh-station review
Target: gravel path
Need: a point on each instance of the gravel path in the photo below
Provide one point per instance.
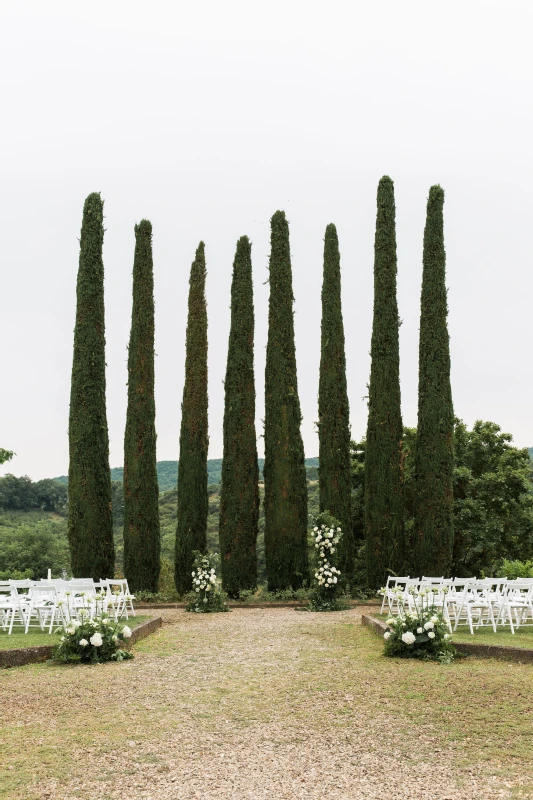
(273, 704)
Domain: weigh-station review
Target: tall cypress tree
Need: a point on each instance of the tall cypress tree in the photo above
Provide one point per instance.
(384, 506)
(239, 491)
(284, 467)
(90, 521)
(142, 544)
(433, 528)
(334, 472)
(193, 502)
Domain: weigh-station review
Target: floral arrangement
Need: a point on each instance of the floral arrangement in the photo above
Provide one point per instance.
(92, 641)
(206, 597)
(421, 632)
(324, 596)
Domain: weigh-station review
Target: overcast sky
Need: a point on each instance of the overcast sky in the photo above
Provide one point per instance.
(207, 117)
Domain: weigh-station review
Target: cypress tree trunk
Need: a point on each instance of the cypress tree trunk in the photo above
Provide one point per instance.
(335, 478)
(142, 545)
(284, 467)
(191, 531)
(384, 508)
(239, 492)
(90, 521)
(433, 529)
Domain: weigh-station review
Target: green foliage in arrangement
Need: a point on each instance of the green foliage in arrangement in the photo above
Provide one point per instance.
(334, 473)
(419, 632)
(384, 508)
(142, 544)
(239, 491)
(327, 586)
(206, 596)
(433, 512)
(90, 527)
(192, 471)
(92, 641)
(284, 469)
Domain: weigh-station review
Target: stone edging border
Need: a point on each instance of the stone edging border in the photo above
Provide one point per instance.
(147, 606)
(518, 654)
(36, 655)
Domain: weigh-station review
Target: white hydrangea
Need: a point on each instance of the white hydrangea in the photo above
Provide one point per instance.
(408, 637)
(126, 632)
(96, 640)
(386, 635)
(431, 634)
(83, 642)
(429, 625)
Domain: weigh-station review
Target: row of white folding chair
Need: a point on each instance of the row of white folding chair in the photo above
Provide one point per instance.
(29, 609)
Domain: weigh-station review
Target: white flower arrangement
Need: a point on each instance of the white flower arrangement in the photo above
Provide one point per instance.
(92, 640)
(421, 632)
(207, 596)
(327, 575)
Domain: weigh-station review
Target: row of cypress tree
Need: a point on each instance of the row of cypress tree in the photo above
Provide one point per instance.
(90, 523)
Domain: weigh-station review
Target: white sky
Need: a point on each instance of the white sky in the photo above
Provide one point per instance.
(205, 118)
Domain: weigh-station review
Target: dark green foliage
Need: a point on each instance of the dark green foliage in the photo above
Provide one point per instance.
(492, 499)
(333, 408)
(284, 468)
(23, 494)
(142, 544)
(239, 491)
(383, 457)
(192, 469)
(5, 455)
(433, 512)
(32, 541)
(90, 524)
(492, 496)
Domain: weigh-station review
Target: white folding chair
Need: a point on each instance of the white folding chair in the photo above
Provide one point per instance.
(44, 608)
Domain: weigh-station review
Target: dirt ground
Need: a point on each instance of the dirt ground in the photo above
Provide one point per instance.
(267, 703)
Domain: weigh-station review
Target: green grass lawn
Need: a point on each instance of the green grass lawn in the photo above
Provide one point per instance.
(36, 636)
(522, 637)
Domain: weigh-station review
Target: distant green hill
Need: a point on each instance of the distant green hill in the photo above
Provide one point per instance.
(167, 472)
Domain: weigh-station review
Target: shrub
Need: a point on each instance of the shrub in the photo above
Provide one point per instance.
(515, 569)
(422, 633)
(206, 596)
(92, 641)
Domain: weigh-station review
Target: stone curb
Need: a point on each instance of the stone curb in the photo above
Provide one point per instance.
(37, 655)
(518, 654)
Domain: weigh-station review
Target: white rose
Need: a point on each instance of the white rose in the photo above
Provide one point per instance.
(213, 579)
(106, 621)
(197, 589)
(429, 625)
(386, 635)
(83, 643)
(208, 588)
(315, 528)
(420, 630)
(193, 573)
(434, 619)
(334, 580)
(431, 635)
(126, 632)
(408, 637)
(96, 640)
(71, 630)
(389, 621)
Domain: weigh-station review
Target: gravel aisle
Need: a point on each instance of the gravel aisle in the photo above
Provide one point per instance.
(256, 704)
